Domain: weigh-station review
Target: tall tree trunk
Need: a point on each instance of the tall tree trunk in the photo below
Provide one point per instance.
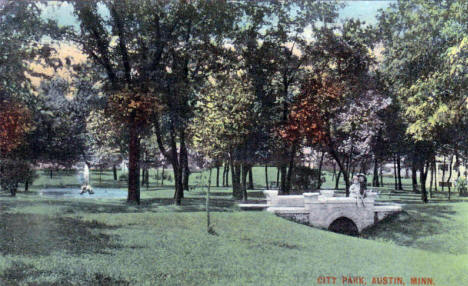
(381, 175)
(251, 184)
(244, 173)
(343, 169)
(26, 185)
(50, 172)
(432, 178)
(133, 168)
(289, 176)
(400, 186)
(227, 166)
(147, 178)
(450, 177)
(319, 182)
(236, 180)
(162, 176)
(334, 172)
(179, 186)
(184, 163)
(224, 175)
(266, 177)
(395, 178)
(277, 176)
(444, 166)
(414, 176)
(13, 189)
(337, 180)
(209, 229)
(178, 167)
(283, 174)
(435, 174)
(114, 170)
(375, 178)
(217, 176)
(347, 168)
(422, 177)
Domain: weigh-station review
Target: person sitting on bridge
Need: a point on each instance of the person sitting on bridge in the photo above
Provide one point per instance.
(355, 189)
(363, 185)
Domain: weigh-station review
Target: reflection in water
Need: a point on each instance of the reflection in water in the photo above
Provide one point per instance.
(99, 193)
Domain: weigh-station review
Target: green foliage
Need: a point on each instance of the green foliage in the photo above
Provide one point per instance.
(223, 117)
(123, 177)
(14, 172)
(306, 179)
(425, 62)
(461, 186)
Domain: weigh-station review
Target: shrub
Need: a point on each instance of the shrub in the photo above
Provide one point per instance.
(123, 177)
(13, 172)
(461, 186)
(305, 178)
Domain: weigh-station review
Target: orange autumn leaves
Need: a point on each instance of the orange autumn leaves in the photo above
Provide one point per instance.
(133, 105)
(15, 122)
(310, 115)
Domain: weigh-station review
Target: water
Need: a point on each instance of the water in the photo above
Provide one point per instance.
(99, 193)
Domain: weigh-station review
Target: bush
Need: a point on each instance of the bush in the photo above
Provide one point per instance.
(305, 178)
(168, 177)
(30, 176)
(123, 177)
(13, 172)
(461, 186)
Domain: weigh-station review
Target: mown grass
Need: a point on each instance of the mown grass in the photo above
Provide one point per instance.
(105, 178)
(47, 241)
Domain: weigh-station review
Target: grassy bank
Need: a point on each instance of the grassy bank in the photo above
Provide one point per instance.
(47, 241)
(102, 242)
(106, 178)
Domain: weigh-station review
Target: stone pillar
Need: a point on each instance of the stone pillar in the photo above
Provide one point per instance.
(310, 200)
(271, 197)
(327, 193)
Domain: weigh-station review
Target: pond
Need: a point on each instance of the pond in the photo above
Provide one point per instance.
(99, 193)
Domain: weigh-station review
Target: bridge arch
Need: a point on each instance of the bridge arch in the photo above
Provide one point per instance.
(344, 225)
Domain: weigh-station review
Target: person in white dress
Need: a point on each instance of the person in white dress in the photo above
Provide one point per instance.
(355, 189)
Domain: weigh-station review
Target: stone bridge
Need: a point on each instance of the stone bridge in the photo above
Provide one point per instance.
(324, 210)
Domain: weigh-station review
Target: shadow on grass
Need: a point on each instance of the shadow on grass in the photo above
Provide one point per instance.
(34, 235)
(412, 226)
(76, 205)
(18, 272)
(40, 235)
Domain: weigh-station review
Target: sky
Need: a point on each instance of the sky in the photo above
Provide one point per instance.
(63, 14)
(364, 10)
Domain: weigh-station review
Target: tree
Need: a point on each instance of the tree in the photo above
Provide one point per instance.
(60, 132)
(222, 123)
(292, 56)
(21, 28)
(15, 122)
(425, 67)
(106, 140)
(339, 102)
(152, 53)
(271, 45)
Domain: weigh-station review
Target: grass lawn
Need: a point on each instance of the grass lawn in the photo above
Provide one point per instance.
(106, 242)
